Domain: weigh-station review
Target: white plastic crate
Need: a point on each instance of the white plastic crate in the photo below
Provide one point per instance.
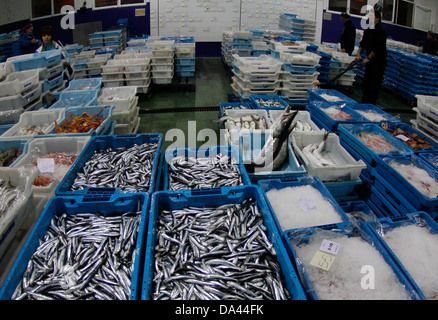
(113, 83)
(299, 77)
(114, 66)
(14, 217)
(258, 76)
(162, 73)
(163, 53)
(42, 146)
(19, 82)
(428, 106)
(5, 69)
(155, 61)
(185, 55)
(344, 168)
(163, 45)
(162, 67)
(136, 65)
(49, 72)
(259, 85)
(126, 116)
(137, 75)
(292, 85)
(185, 48)
(294, 94)
(303, 116)
(97, 61)
(20, 100)
(297, 47)
(247, 92)
(85, 55)
(305, 59)
(139, 82)
(113, 76)
(127, 128)
(162, 80)
(121, 98)
(428, 112)
(263, 63)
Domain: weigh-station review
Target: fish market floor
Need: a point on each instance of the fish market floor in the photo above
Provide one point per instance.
(170, 107)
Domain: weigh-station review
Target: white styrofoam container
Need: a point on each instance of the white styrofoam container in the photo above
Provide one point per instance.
(303, 116)
(121, 98)
(19, 82)
(346, 168)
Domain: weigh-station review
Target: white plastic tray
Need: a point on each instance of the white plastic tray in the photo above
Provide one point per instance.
(346, 168)
(121, 98)
(20, 100)
(299, 77)
(258, 76)
(305, 58)
(18, 82)
(269, 85)
(263, 63)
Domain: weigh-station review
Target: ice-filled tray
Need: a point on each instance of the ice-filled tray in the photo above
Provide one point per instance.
(331, 162)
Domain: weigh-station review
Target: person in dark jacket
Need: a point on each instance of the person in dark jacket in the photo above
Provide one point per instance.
(430, 45)
(27, 43)
(348, 38)
(374, 44)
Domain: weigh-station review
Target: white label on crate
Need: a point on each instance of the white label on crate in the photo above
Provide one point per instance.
(307, 204)
(322, 260)
(46, 165)
(403, 138)
(330, 247)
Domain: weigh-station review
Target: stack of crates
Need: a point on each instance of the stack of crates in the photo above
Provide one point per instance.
(324, 66)
(8, 44)
(93, 66)
(427, 120)
(290, 22)
(185, 61)
(126, 110)
(256, 76)
(106, 39)
(413, 76)
(393, 68)
(431, 83)
(236, 42)
(309, 31)
(343, 60)
(162, 61)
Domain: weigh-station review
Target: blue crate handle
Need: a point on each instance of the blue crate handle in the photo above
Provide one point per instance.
(206, 191)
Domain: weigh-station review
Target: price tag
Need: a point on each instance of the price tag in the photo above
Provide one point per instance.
(46, 165)
(322, 260)
(331, 247)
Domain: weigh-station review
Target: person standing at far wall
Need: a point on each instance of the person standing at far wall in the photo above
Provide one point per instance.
(430, 45)
(374, 44)
(348, 38)
(27, 43)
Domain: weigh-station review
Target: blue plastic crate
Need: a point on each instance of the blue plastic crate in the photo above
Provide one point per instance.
(38, 60)
(102, 204)
(19, 144)
(401, 187)
(277, 184)
(185, 61)
(375, 109)
(362, 230)
(80, 64)
(97, 45)
(242, 41)
(242, 47)
(173, 200)
(50, 84)
(75, 99)
(317, 110)
(430, 158)
(203, 152)
(342, 190)
(184, 68)
(410, 130)
(350, 207)
(227, 105)
(386, 224)
(104, 112)
(5, 127)
(88, 84)
(347, 135)
(182, 74)
(99, 143)
(315, 94)
(254, 99)
(250, 145)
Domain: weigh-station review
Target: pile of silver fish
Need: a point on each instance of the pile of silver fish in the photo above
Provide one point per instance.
(314, 153)
(198, 173)
(269, 103)
(83, 256)
(250, 122)
(129, 169)
(236, 107)
(8, 195)
(215, 253)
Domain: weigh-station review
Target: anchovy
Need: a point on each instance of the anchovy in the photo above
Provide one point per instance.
(197, 173)
(83, 256)
(129, 169)
(269, 103)
(201, 254)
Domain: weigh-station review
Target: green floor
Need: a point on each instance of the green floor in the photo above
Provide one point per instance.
(212, 87)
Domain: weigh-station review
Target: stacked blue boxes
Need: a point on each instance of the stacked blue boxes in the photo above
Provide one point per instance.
(290, 22)
(185, 57)
(324, 66)
(106, 40)
(9, 45)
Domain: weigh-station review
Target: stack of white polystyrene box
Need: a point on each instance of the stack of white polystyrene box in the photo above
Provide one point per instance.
(162, 61)
(256, 75)
(309, 31)
(126, 110)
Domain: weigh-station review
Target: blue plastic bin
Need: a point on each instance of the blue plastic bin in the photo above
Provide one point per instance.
(98, 143)
(430, 158)
(203, 152)
(75, 99)
(315, 94)
(50, 84)
(347, 136)
(302, 236)
(75, 205)
(401, 186)
(254, 99)
(386, 224)
(315, 182)
(250, 145)
(350, 207)
(373, 108)
(38, 60)
(173, 200)
(88, 84)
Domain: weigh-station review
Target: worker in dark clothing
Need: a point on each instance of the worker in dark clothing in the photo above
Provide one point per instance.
(348, 38)
(374, 44)
(27, 42)
(430, 45)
